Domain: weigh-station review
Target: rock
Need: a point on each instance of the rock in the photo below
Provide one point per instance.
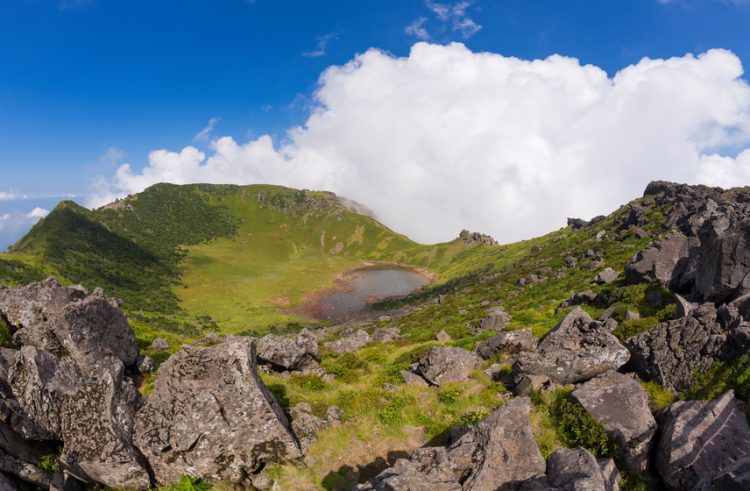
(443, 336)
(484, 303)
(386, 334)
(411, 378)
(476, 238)
(68, 321)
(145, 364)
(735, 477)
(160, 344)
(511, 342)
(499, 451)
(427, 469)
(447, 364)
(384, 318)
(577, 223)
(575, 350)
(601, 235)
(595, 264)
(358, 339)
(673, 351)
(305, 425)
(289, 353)
(335, 415)
(701, 440)
(495, 318)
(211, 415)
(608, 275)
(89, 408)
(533, 383)
(658, 262)
(493, 371)
(571, 262)
(683, 307)
(580, 298)
(640, 233)
(576, 469)
(620, 404)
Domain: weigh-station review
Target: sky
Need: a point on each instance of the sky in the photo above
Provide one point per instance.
(503, 117)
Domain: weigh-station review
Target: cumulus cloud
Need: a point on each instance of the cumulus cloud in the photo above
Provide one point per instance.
(447, 138)
(37, 213)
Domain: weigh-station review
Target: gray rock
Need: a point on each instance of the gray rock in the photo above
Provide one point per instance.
(631, 316)
(575, 469)
(736, 477)
(443, 336)
(571, 262)
(533, 383)
(289, 353)
(411, 378)
(579, 298)
(305, 425)
(386, 334)
(701, 440)
(620, 404)
(495, 318)
(673, 351)
(511, 342)
(607, 275)
(447, 364)
(575, 350)
(658, 262)
(160, 344)
(145, 364)
(384, 318)
(427, 469)
(211, 415)
(335, 416)
(356, 340)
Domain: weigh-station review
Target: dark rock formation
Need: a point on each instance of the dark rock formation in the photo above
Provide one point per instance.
(575, 350)
(211, 415)
(289, 353)
(620, 404)
(447, 364)
(495, 318)
(579, 298)
(575, 469)
(476, 238)
(673, 351)
(701, 441)
(511, 342)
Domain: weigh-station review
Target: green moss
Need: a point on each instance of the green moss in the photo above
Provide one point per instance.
(720, 378)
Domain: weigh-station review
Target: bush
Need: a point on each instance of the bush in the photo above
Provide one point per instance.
(577, 428)
(308, 381)
(186, 483)
(720, 378)
(348, 368)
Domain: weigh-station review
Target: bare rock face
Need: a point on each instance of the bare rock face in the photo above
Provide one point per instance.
(620, 404)
(575, 350)
(444, 364)
(495, 318)
(68, 321)
(705, 258)
(289, 353)
(211, 415)
(735, 477)
(701, 441)
(498, 453)
(511, 342)
(356, 340)
(574, 469)
(673, 351)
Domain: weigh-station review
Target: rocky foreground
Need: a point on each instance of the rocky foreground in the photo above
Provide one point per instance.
(71, 414)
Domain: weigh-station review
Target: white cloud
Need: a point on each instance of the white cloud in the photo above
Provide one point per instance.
(7, 196)
(204, 134)
(321, 46)
(37, 213)
(418, 29)
(453, 14)
(4, 219)
(111, 155)
(446, 139)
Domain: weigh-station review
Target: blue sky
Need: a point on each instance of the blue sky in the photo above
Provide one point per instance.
(86, 85)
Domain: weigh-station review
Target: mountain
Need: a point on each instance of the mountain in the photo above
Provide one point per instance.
(611, 352)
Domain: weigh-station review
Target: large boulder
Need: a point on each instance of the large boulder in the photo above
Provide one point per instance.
(67, 321)
(444, 364)
(211, 415)
(673, 351)
(495, 318)
(735, 477)
(620, 404)
(657, 262)
(289, 353)
(701, 440)
(575, 469)
(352, 342)
(511, 342)
(575, 350)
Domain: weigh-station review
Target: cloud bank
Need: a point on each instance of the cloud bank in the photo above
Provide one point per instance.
(447, 138)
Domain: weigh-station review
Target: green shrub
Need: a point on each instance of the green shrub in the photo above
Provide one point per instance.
(348, 368)
(392, 411)
(720, 378)
(308, 381)
(448, 395)
(577, 428)
(186, 483)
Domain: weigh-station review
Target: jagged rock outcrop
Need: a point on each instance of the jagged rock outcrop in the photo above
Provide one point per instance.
(495, 318)
(67, 382)
(498, 453)
(700, 441)
(735, 477)
(211, 415)
(576, 469)
(575, 350)
(476, 238)
(352, 342)
(706, 258)
(444, 364)
(511, 342)
(620, 404)
(672, 352)
(289, 353)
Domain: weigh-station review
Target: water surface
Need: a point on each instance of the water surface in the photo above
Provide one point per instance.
(365, 286)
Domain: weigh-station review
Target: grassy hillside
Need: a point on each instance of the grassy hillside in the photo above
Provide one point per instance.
(240, 258)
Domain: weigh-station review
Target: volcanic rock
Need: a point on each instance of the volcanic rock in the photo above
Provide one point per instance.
(358, 339)
(495, 318)
(289, 353)
(576, 469)
(510, 342)
(447, 364)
